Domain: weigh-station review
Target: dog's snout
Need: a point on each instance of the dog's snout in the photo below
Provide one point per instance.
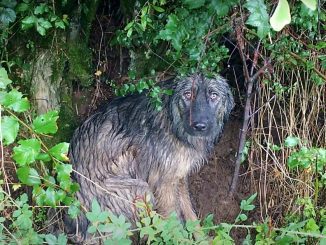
(200, 126)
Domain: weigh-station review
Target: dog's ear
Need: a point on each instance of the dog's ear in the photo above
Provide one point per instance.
(229, 104)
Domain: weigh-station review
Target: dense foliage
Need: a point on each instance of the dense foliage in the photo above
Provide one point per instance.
(161, 37)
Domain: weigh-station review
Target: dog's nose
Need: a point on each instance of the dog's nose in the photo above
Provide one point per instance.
(200, 126)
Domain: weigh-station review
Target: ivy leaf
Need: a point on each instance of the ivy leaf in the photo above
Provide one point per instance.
(9, 129)
(8, 3)
(49, 181)
(62, 239)
(41, 9)
(13, 100)
(43, 157)
(312, 4)
(24, 218)
(22, 7)
(291, 141)
(28, 22)
(60, 151)
(44, 23)
(46, 123)
(194, 4)
(74, 210)
(63, 177)
(7, 15)
(258, 17)
(50, 197)
(27, 151)
(281, 16)
(4, 80)
(41, 30)
(60, 24)
(96, 209)
(28, 176)
(51, 239)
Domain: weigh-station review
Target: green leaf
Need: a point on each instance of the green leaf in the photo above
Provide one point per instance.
(174, 31)
(91, 229)
(168, 91)
(252, 198)
(312, 4)
(22, 7)
(63, 171)
(13, 100)
(194, 4)
(222, 7)
(60, 151)
(96, 209)
(51, 239)
(129, 32)
(49, 181)
(258, 17)
(158, 9)
(44, 23)
(9, 129)
(8, 3)
(60, 24)
(74, 210)
(246, 204)
(43, 157)
(281, 16)
(291, 141)
(7, 15)
(50, 197)
(28, 176)
(24, 221)
(62, 239)
(27, 151)
(311, 226)
(46, 123)
(28, 22)
(40, 29)
(241, 217)
(4, 80)
(130, 25)
(41, 9)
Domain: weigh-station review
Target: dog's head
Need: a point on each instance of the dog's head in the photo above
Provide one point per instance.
(200, 106)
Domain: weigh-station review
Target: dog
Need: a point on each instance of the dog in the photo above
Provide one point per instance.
(130, 149)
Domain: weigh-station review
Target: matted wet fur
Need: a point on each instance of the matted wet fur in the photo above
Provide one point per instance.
(131, 149)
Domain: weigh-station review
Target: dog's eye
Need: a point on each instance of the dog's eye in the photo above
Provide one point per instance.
(214, 96)
(187, 95)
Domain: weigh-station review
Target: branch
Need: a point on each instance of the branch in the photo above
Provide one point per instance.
(249, 81)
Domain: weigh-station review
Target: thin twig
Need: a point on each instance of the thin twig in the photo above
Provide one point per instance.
(249, 81)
